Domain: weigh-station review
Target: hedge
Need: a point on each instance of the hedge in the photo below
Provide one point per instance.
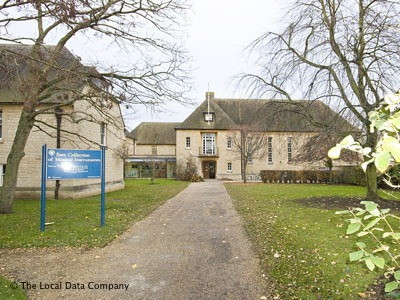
(347, 175)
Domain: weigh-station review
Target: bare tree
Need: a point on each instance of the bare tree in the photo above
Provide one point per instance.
(144, 29)
(249, 141)
(344, 52)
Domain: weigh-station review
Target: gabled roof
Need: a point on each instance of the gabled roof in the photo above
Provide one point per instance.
(155, 133)
(67, 69)
(267, 115)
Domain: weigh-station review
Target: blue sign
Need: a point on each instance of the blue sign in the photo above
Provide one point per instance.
(72, 164)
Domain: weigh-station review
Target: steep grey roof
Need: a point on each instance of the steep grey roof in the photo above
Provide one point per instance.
(155, 133)
(67, 69)
(267, 115)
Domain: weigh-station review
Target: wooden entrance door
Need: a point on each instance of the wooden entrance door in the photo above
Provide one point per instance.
(209, 169)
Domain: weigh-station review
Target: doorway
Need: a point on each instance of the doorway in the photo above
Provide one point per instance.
(209, 169)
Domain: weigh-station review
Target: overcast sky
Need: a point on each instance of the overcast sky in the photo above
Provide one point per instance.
(218, 32)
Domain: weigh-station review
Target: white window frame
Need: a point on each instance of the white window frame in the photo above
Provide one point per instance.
(103, 134)
(229, 143)
(208, 142)
(229, 167)
(269, 150)
(188, 143)
(2, 172)
(290, 149)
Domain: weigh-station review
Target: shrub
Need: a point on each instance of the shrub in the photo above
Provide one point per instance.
(187, 171)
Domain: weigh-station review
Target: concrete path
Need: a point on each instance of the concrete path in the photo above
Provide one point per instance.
(192, 247)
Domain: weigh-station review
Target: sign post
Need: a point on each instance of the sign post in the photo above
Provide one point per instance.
(64, 164)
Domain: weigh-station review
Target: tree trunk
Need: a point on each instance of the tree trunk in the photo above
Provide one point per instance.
(244, 171)
(14, 158)
(372, 183)
(370, 173)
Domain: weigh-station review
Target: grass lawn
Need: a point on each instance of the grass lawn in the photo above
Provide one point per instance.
(76, 221)
(303, 249)
(7, 291)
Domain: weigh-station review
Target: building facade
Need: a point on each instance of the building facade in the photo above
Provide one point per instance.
(76, 124)
(211, 136)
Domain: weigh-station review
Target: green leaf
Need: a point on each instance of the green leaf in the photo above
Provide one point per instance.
(392, 145)
(370, 264)
(396, 122)
(340, 212)
(334, 152)
(372, 223)
(397, 275)
(391, 286)
(378, 261)
(375, 212)
(361, 245)
(362, 233)
(385, 211)
(382, 161)
(356, 255)
(369, 205)
(386, 234)
(348, 140)
(353, 228)
(396, 235)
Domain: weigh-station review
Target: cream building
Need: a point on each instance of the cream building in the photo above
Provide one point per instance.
(70, 123)
(210, 135)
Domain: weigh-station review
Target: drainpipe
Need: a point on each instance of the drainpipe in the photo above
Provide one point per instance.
(58, 112)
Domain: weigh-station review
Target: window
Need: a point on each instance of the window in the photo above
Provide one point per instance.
(269, 150)
(209, 117)
(209, 143)
(154, 150)
(1, 124)
(103, 138)
(187, 142)
(229, 143)
(250, 151)
(229, 167)
(2, 172)
(289, 149)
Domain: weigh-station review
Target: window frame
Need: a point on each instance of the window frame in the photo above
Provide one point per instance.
(229, 143)
(229, 167)
(290, 149)
(1, 124)
(270, 157)
(188, 144)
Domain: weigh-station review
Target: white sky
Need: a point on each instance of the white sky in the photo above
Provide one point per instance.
(218, 33)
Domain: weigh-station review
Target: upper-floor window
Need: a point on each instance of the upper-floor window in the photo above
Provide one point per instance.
(289, 149)
(209, 116)
(103, 137)
(229, 143)
(1, 124)
(209, 143)
(269, 150)
(187, 142)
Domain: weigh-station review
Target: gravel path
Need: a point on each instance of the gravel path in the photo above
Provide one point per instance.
(192, 247)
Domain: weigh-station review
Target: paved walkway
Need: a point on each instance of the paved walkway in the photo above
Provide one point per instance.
(192, 247)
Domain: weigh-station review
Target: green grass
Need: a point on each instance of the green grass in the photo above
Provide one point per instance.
(304, 250)
(76, 221)
(9, 292)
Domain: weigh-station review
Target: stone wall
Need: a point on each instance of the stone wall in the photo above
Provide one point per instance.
(29, 177)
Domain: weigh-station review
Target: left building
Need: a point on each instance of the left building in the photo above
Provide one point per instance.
(77, 115)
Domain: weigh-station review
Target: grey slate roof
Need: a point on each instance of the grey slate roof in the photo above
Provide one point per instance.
(14, 64)
(269, 115)
(155, 133)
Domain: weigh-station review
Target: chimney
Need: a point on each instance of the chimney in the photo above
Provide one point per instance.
(209, 95)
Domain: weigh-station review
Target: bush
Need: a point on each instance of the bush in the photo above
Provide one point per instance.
(347, 175)
(188, 171)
